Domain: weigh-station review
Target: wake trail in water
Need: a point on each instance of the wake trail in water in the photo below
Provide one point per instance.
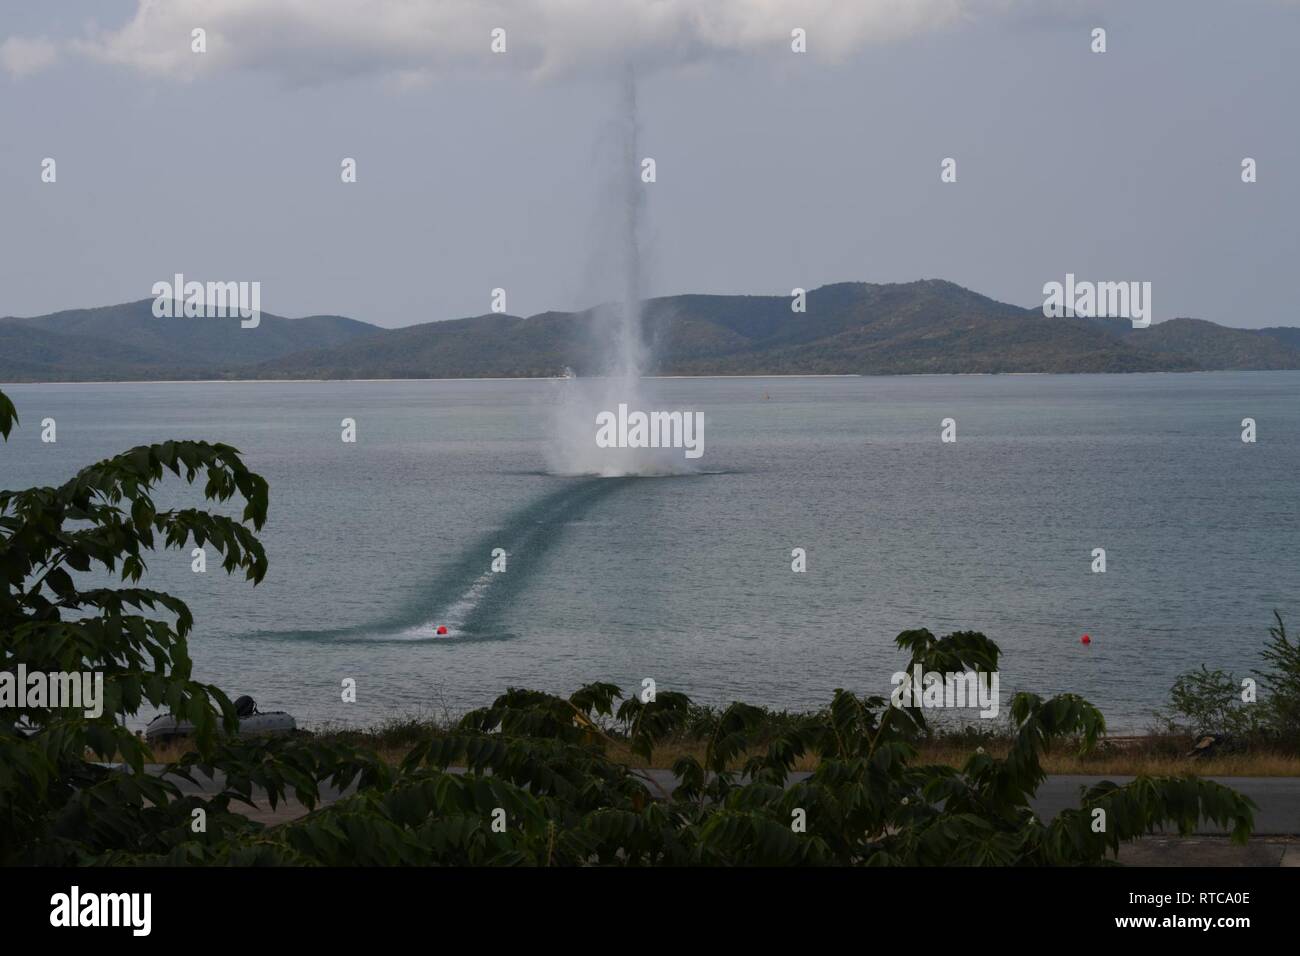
(468, 598)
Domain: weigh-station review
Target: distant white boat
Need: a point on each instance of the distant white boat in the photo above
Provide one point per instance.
(252, 722)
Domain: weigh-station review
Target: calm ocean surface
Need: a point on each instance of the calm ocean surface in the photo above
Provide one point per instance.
(687, 579)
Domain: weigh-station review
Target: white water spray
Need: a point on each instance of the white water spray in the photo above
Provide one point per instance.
(617, 328)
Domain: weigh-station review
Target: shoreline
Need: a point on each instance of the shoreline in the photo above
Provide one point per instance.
(558, 378)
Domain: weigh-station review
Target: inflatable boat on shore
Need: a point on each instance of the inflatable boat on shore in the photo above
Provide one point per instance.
(252, 722)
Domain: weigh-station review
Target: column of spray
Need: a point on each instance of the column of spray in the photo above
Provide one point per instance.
(629, 353)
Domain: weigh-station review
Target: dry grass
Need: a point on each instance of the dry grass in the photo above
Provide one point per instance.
(1132, 761)
(1108, 761)
(1121, 757)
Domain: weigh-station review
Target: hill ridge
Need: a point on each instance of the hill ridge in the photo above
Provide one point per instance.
(850, 327)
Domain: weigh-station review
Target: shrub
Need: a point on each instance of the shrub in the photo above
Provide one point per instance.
(1281, 684)
(1209, 702)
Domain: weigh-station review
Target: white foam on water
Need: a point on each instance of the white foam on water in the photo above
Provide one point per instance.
(573, 449)
(453, 617)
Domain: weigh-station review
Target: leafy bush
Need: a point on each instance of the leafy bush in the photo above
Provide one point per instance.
(1209, 702)
(537, 785)
(1281, 684)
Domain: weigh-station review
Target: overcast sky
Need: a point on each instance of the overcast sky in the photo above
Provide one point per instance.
(774, 169)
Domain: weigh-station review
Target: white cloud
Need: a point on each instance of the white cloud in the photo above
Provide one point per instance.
(20, 56)
(310, 40)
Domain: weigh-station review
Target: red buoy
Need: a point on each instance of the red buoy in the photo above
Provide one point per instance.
(1085, 639)
(442, 629)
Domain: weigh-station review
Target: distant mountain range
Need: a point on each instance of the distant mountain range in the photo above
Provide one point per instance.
(848, 328)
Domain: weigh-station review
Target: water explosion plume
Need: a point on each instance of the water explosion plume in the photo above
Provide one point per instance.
(616, 329)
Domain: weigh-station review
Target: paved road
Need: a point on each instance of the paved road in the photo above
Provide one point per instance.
(1276, 841)
(1277, 798)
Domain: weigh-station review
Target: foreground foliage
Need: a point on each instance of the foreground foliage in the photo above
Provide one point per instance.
(537, 786)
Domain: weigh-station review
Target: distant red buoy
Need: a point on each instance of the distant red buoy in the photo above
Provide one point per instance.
(1085, 639)
(442, 629)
